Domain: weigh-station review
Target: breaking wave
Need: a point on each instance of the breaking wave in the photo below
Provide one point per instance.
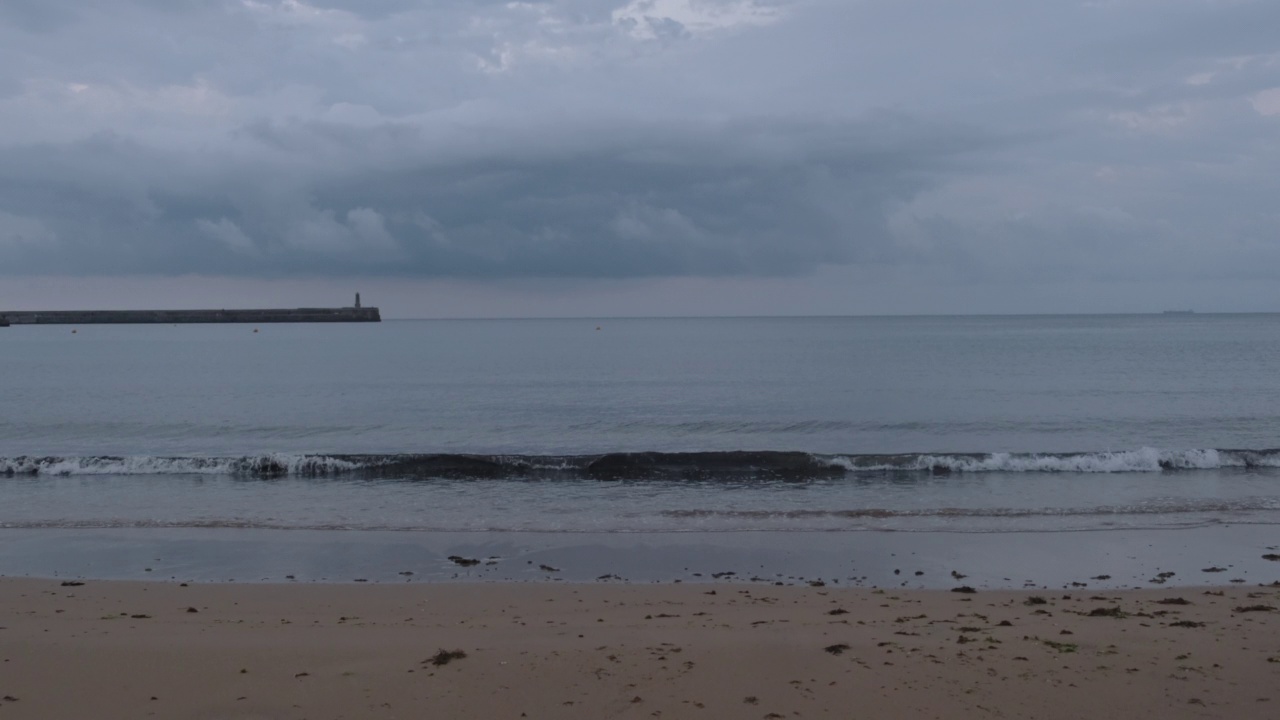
(643, 465)
(262, 465)
(1142, 460)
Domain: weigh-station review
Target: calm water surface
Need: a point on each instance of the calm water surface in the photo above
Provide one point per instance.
(1141, 405)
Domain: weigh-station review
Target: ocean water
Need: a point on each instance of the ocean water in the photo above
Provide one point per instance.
(977, 424)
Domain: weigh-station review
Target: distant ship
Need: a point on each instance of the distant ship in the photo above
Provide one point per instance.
(1179, 312)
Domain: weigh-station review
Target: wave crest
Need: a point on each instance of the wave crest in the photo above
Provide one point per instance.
(256, 465)
(765, 465)
(1125, 461)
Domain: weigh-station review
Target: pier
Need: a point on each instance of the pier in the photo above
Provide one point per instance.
(152, 317)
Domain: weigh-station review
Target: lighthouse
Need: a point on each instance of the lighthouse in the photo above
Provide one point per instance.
(357, 300)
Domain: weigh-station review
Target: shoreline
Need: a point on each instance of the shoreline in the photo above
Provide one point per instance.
(1110, 559)
(548, 650)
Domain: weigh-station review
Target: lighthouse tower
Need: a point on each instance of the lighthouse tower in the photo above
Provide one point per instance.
(357, 300)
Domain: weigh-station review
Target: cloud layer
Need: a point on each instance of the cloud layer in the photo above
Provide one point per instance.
(1127, 140)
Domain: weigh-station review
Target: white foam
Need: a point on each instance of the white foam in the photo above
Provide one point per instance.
(1142, 460)
(148, 465)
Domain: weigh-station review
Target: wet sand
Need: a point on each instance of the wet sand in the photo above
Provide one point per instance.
(108, 649)
(1102, 559)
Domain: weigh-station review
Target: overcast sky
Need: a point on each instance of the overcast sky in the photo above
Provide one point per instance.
(641, 157)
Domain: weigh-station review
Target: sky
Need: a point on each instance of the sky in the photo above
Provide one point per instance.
(476, 158)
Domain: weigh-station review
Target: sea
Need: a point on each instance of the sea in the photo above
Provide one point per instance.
(614, 428)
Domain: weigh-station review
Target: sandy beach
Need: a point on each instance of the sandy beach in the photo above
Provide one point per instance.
(711, 650)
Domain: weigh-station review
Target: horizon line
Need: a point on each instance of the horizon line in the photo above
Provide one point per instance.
(1181, 314)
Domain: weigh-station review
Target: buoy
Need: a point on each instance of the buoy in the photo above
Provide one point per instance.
(73, 332)
(597, 327)
(255, 329)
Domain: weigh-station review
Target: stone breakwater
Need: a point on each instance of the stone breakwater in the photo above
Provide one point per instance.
(127, 317)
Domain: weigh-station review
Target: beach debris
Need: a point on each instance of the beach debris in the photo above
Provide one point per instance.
(1215, 568)
(1100, 577)
(1061, 647)
(1114, 612)
(10, 698)
(302, 674)
(963, 589)
(838, 611)
(836, 649)
(957, 575)
(464, 562)
(71, 583)
(1254, 608)
(444, 657)
(548, 568)
(1271, 556)
(1035, 600)
(192, 610)
(1186, 624)
(1173, 601)
(751, 700)
(141, 616)
(1161, 578)
(609, 576)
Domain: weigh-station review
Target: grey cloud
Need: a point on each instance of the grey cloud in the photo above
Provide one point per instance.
(486, 139)
(1184, 31)
(755, 199)
(9, 86)
(374, 9)
(37, 16)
